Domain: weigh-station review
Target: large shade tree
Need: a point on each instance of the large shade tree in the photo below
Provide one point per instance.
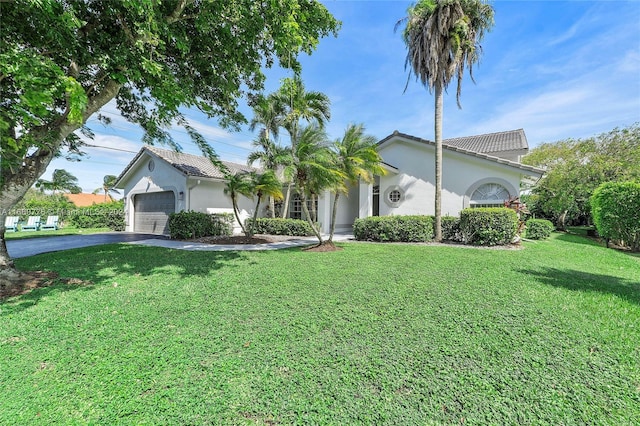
(62, 61)
(442, 39)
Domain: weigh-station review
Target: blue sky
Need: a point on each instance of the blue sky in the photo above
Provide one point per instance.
(557, 69)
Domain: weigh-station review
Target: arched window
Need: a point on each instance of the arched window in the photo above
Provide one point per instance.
(489, 195)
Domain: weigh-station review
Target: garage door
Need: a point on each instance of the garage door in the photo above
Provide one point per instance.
(151, 212)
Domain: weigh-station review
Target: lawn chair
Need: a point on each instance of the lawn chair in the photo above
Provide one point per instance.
(11, 223)
(33, 224)
(51, 224)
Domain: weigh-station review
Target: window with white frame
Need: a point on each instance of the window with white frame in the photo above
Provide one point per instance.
(295, 207)
(394, 196)
(489, 195)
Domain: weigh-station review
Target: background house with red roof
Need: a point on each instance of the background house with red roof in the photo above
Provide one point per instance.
(87, 200)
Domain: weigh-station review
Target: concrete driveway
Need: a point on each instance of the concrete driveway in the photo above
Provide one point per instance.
(32, 246)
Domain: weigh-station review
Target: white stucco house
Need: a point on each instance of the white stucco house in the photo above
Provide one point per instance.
(481, 170)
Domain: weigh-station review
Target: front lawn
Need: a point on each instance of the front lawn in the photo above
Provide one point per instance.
(373, 334)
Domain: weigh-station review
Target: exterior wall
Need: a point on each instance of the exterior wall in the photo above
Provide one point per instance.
(142, 181)
(191, 194)
(207, 196)
(461, 174)
(348, 209)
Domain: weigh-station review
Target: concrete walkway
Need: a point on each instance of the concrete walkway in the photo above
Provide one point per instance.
(185, 245)
(32, 246)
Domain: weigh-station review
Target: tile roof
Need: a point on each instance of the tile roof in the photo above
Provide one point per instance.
(511, 140)
(188, 164)
(196, 165)
(87, 200)
(486, 156)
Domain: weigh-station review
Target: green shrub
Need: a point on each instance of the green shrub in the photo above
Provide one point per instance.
(451, 228)
(615, 207)
(394, 228)
(488, 226)
(279, 226)
(107, 215)
(539, 229)
(44, 205)
(185, 225)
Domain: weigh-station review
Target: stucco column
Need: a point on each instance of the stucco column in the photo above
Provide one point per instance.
(365, 197)
(324, 211)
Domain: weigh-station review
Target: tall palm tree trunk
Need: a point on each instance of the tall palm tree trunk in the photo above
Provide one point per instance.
(438, 135)
(252, 226)
(285, 208)
(334, 213)
(272, 206)
(305, 209)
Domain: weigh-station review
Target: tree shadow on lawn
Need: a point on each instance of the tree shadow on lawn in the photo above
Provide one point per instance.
(79, 269)
(587, 282)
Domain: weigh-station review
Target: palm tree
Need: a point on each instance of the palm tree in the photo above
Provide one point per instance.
(236, 185)
(442, 38)
(61, 180)
(357, 158)
(314, 168)
(300, 105)
(268, 113)
(271, 156)
(263, 184)
(108, 186)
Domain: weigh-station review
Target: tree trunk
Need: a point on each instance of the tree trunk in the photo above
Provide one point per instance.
(252, 226)
(438, 135)
(334, 213)
(237, 213)
(562, 225)
(305, 209)
(285, 207)
(272, 206)
(314, 211)
(15, 183)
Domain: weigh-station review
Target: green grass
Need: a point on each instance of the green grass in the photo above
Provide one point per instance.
(67, 230)
(374, 334)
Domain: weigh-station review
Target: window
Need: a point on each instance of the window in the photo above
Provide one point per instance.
(151, 165)
(295, 207)
(489, 195)
(394, 196)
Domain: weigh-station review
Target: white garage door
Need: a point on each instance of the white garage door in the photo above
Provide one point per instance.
(151, 212)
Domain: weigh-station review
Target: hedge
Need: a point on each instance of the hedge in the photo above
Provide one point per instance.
(186, 225)
(394, 229)
(279, 226)
(488, 226)
(451, 228)
(615, 207)
(106, 215)
(539, 229)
